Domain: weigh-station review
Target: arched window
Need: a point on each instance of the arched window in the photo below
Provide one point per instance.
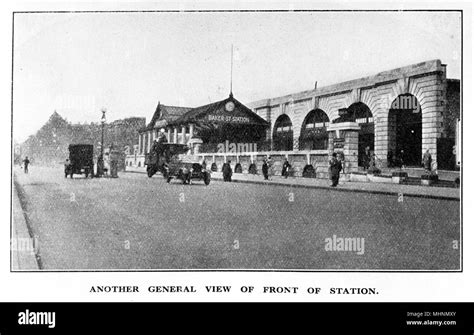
(283, 134)
(362, 113)
(404, 131)
(314, 134)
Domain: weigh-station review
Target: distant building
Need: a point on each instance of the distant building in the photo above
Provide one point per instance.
(49, 145)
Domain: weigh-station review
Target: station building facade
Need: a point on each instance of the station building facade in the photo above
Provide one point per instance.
(400, 113)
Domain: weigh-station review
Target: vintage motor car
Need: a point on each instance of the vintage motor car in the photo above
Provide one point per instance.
(171, 161)
(81, 160)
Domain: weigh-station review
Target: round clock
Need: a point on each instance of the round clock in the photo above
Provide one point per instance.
(229, 106)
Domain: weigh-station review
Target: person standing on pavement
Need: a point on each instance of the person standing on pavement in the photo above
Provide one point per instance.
(401, 158)
(26, 162)
(286, 169)
(335, 168)
(427, 160)
(366, 158)
(265, 170)
(227, 171)
(372, 160)
(270, 167)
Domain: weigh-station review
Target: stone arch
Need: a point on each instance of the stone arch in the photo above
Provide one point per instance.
(401, 86)
(283, 133)
(352, 97)
(430, 93)
(369, 97)
(313, 135)
(332, 104)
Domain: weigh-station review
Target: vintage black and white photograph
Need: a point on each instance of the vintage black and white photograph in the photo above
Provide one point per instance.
(233, 140)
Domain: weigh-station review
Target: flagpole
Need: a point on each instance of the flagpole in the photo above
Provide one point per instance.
(231, 65)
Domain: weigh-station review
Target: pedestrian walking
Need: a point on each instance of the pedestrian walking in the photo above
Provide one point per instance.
(227, 171)
(286, 168)
(67, 167)
(26, 162)
(426, 161)
(265, 169)
(335, 167)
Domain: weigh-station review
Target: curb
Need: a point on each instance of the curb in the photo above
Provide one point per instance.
(20, 194)
(414, 195)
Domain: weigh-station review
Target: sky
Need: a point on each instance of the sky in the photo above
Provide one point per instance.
(78, 63)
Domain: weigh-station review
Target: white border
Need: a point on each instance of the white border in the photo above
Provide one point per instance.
(391, 286)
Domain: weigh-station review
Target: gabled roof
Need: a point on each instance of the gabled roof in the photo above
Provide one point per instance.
(167, 113)
(171, 113)
(199, 113)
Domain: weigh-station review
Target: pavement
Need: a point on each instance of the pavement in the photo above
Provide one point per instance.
(350, 186)
(445, 193)
(138, 223)
(23, 253)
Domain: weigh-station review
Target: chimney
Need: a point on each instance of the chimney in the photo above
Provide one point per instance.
(316, 84)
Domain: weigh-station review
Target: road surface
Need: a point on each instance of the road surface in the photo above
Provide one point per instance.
(134, 222)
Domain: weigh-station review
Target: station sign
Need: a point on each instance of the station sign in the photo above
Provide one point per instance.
(228, 119)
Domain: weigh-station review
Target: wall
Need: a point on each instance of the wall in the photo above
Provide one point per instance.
(317, 158)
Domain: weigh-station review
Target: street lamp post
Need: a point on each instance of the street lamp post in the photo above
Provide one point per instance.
(100, 161)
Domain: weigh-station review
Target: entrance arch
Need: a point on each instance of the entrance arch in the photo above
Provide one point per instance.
(404, 131)
(283, 134)
(314, 135)
(360, 113)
